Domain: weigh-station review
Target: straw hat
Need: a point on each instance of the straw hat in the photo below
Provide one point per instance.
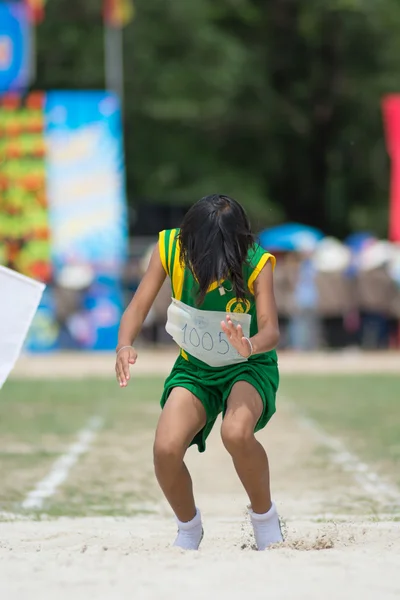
(375, 255)
(331, 256)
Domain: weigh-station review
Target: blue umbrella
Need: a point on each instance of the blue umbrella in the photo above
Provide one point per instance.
(290, 237)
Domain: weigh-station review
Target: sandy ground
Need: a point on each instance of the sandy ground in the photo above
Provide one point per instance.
(111, 559)
(350, 556)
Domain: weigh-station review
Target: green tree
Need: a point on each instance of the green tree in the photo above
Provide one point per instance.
(276, 103)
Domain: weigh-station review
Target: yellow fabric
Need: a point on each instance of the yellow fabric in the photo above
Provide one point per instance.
(161, 244)
(214, 286)
(260, 265)
(170, 247)
(178, 272)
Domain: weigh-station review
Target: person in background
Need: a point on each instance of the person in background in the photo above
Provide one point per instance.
(285, 278)
(130, 277)
(376, 291)
(70, 285)
(304, 327)
(394, 319)
(335, 290)
(157, 316)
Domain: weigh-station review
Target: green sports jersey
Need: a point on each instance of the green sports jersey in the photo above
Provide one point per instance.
(220, 296)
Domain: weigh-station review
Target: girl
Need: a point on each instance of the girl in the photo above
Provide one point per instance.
(224, 319)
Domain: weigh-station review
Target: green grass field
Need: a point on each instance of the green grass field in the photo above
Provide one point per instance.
(361, 410)
(40, 419)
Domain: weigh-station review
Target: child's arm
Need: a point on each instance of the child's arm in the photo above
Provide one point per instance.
(267, 319)
(135, 314)
(267, 337)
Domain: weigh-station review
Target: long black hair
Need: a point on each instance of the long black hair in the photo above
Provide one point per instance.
(215, 238)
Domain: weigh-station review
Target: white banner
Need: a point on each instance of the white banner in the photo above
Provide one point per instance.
(19, 299)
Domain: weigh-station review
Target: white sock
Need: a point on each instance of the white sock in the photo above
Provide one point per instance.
(190, 534)
(267, 529)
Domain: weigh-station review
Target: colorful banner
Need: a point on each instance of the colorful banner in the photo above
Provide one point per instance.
(25, 237)
(63, 217)
(85, 179)
(24, 226)
(15, 47)
(88, 216)
(391, 113)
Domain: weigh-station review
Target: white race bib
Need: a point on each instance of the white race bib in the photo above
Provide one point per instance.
(199, 333)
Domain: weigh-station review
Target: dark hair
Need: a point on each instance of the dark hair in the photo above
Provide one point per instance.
(215, 238)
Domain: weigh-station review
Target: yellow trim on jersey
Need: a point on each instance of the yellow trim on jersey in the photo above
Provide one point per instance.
(178, 272)
(161, 245)
(259, 267)
(170, 247)
(184, 355)
(214, 286)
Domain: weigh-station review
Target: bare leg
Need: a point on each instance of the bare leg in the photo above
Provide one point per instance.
(249, 457)
(244, 408)
(182, 418)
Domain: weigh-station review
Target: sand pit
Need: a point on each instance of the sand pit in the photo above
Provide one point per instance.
(130, 558)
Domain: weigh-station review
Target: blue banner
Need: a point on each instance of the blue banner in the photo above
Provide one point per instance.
(87, 215)
(86, 179)
(15, 47)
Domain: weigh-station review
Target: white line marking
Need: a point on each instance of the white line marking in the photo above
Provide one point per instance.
(367, 479)
(59, 472)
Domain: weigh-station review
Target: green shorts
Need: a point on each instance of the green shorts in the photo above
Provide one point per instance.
(212, 386)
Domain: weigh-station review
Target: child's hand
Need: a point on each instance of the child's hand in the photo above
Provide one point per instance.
(125, 357)
(236, 337)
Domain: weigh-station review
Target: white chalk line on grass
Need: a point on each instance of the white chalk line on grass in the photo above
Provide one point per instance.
(61, 468)
(370, 482)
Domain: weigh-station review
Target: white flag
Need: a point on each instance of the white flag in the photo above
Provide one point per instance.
(19, 299)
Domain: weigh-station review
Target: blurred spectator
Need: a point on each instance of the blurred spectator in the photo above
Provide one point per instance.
(394, 321)
(377, 295)
(157, 317)
(303, 327)
(285, 277)
(335, 289)
(131, 276)
(70, 285)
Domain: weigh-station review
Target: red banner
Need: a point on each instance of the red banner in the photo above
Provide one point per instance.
(391, 114)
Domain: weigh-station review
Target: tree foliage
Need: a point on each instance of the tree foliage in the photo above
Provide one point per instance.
(277, 103)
